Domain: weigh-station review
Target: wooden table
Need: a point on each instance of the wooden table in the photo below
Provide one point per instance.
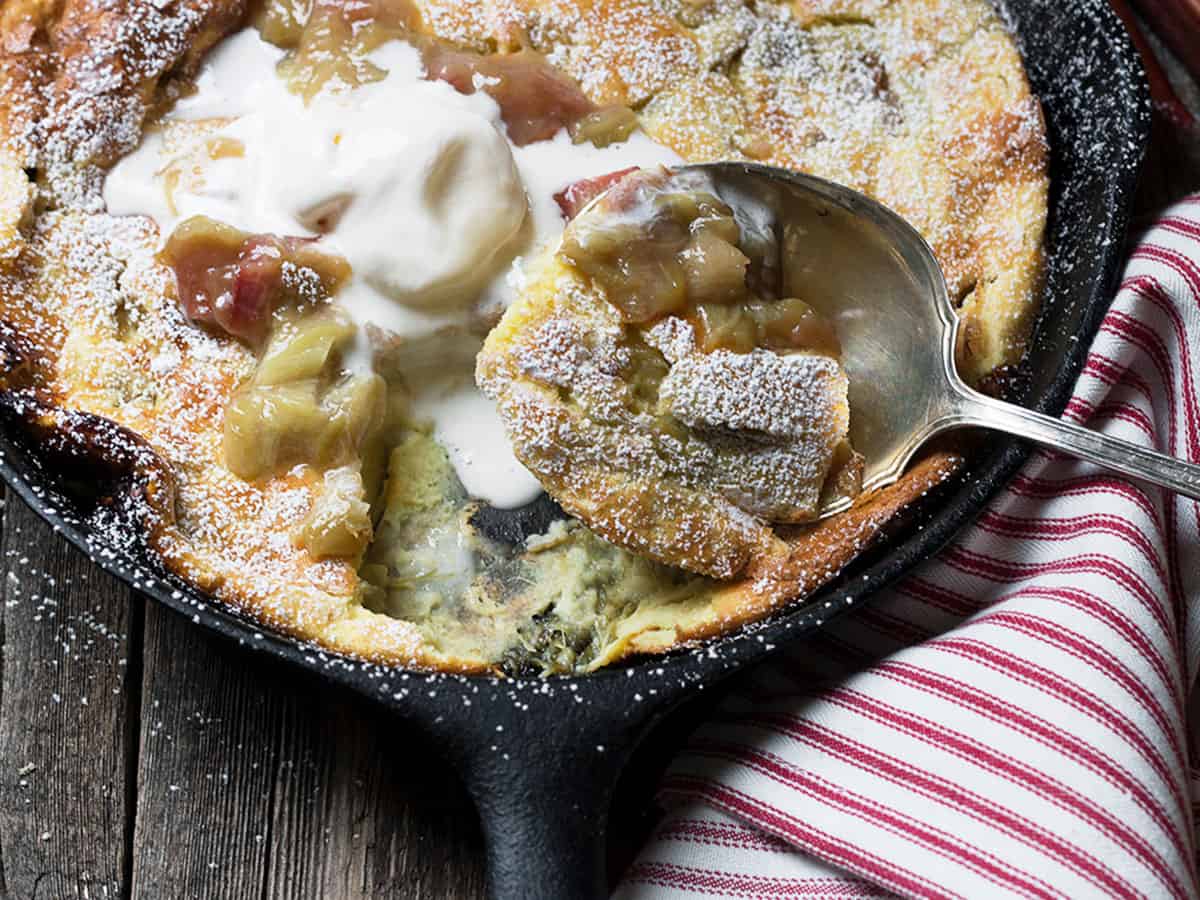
(143, 757)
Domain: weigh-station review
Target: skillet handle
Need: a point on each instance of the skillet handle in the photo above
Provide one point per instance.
(543, 786)
(545, 826)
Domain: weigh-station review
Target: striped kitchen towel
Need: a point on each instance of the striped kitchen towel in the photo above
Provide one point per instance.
(1011, 719)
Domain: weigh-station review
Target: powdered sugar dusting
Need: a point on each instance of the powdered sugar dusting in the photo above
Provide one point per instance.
(760, 392)
(98, 86)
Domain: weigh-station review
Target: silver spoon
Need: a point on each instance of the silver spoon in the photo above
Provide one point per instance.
(868, 271)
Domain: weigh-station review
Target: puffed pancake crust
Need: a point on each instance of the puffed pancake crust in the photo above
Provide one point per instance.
(923, 104)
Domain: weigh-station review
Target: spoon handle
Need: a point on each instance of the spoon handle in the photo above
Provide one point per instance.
(1112, 453)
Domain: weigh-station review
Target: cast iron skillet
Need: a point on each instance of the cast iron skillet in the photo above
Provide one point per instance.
(541, 757)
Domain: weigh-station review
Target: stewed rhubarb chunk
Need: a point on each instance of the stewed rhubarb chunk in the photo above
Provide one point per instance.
(284, 22)
(607, 125)
(660, 245)
(234, 281)
(330, 40)
(781, 325)
(579, 194)
(535, 99)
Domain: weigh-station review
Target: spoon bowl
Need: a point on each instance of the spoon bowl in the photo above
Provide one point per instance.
(875, 278)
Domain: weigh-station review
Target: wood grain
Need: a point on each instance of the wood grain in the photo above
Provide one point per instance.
(67, 702)
(204, 781)
(256, 781)
(366, 809)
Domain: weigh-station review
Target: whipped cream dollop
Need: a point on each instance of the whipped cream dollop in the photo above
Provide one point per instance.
(416, 185)
(420, 213)
(407, 179)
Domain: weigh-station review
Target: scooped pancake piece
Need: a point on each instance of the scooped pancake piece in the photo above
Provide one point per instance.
(661, 390)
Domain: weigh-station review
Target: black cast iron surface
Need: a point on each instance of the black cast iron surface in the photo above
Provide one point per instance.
(541, 758)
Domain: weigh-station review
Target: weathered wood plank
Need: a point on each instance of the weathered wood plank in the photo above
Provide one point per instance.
(365, 809)
(255, 780)
(208, 728)
(68, 699)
